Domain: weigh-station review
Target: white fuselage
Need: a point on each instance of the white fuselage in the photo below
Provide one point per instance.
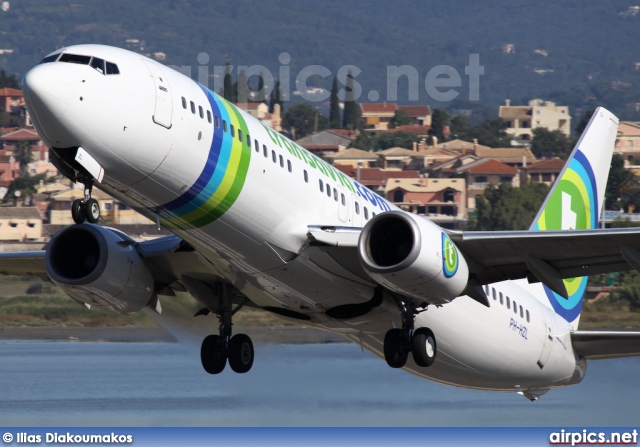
(166, 161)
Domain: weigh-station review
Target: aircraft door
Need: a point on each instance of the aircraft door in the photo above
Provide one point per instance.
(164, 102)
(547, 341)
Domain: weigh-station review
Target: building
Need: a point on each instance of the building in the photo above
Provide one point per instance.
(353, 157)
(441, 200)
(20, 224)
(512, 156)
(12, 103)
(375, 178)
(628, 141)
(521, 120)
(260, 111)
(377, 115)
(395, 157)
(544, 171)
(329, 140)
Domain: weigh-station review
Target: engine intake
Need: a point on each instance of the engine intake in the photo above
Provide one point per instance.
(412, 256)
(92, 265)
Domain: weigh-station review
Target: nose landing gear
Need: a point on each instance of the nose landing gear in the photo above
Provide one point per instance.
(86, 209)
(398, 343)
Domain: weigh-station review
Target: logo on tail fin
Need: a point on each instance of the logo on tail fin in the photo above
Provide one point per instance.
(573, 205)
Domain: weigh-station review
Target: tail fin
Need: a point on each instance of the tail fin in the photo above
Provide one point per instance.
(576, 199)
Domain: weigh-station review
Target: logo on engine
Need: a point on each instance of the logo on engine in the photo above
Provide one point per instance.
(449, 257)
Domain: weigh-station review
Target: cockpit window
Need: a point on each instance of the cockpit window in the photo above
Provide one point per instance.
(75, 59)
(98, 64)
(51, 58)
(112, 69)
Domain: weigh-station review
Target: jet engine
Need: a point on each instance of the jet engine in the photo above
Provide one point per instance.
(412, 256)
(99, 267)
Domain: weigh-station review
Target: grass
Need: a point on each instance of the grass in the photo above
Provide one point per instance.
(49, 306)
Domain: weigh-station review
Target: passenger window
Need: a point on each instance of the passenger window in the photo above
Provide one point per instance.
(521, 313)
(224, 125)
(528, 321)
(98, 64)
(328, 191)
(184, 103)
(112, 69)
(240, 135)
(249, 140)
(366, 213)
(281, 162)
(209, 116)
(201, 111)
(335, 194)
(257, 145)
(306, 176)
(493, 291)
(343, 200)
(515, 307)
(319, 181)
(508, 303)
(233, 130)
(273, 156)
(373, 214)
(217, 120)
(289, 166)
(264, 149)
(193, 107)
(357, 208)
(501, 299)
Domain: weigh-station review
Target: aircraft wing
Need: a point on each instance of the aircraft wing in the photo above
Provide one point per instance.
(23, 263)
(596, 345)
(548, 256)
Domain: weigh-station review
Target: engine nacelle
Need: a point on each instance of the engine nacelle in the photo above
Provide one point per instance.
(96, 266)
(412, 256)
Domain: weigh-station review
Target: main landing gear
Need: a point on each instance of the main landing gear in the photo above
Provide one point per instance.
(86, 209)
(398, 343)
(217, 349)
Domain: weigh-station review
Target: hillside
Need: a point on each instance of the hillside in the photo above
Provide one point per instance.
(586, 50)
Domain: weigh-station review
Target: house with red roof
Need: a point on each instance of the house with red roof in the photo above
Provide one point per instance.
(377, 115)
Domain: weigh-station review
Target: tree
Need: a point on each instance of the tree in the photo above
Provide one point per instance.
(492, 133)
(228, 92)
(26, 184)
(507, 208)
(362, 141)
(393, 139)
(334, 108)
(276, 98)
(23, 155)
(400, 118)
(439, 119)
(622, 186)
(628, 289)
(584, 121)
(10, 81)
(351, 115)
(242, 88)
(303, 119)
(550, 143)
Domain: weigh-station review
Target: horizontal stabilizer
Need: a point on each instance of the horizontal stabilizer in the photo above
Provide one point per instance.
(606, 344)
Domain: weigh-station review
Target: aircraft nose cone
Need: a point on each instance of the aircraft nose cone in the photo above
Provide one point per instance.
(47, 98)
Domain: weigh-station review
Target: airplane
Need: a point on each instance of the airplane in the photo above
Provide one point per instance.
(259, 221)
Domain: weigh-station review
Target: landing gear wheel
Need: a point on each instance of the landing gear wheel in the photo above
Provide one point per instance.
(77, 211)
(212, 354)
(92, 211)
(423, 347)
(394, 353)
(240, 353)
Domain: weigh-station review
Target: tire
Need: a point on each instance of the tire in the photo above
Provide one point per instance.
(423, 347)
(77, 211)
(212, 355)
(92, 211)
(393, 353)
(241, 353)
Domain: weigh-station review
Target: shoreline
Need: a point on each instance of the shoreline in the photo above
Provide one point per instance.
(149, 334)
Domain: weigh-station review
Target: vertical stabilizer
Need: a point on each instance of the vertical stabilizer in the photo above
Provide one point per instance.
(576, 199)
